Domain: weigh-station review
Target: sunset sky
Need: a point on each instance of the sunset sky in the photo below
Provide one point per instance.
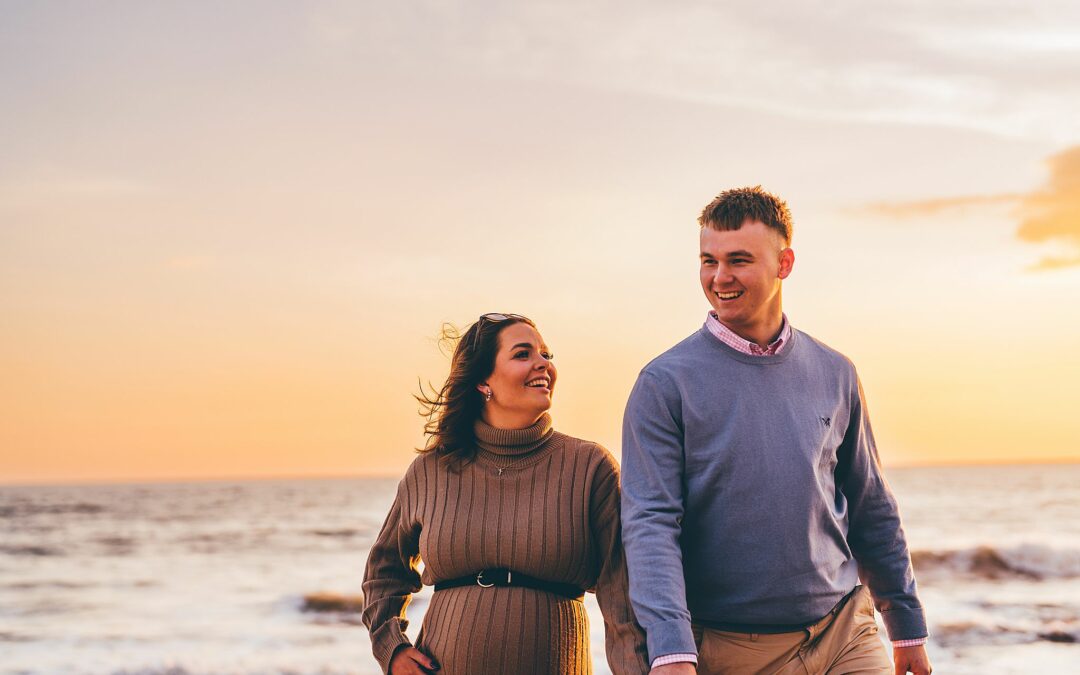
(229, 233)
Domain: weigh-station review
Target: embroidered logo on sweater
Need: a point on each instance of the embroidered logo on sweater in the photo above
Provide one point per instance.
(826, 421)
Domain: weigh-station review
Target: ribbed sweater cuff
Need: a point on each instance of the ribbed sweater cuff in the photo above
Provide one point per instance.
(905, 623)
(670, 637)
(385, 647)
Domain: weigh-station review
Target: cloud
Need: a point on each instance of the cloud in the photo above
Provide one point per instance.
(930, 207)
(1052, 263)
(1052, 214)
(941, 62)
(1049, 215)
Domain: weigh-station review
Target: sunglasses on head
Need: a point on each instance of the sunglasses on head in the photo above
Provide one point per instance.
(492, 317)
(496, 317)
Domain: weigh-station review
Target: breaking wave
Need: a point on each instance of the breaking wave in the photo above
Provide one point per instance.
(971, 633)
(30, 550)
(342, 532)
(23, 509)
(1026, 561)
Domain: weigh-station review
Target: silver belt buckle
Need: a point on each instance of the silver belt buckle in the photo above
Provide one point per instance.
(480, 579)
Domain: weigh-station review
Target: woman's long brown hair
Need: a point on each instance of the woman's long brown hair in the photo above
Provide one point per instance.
(452, 410)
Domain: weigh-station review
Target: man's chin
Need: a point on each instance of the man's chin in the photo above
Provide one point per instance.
(727, 317)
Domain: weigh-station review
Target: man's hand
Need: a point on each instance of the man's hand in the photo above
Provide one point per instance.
(911, 660)
(684, 668)
(411, 661)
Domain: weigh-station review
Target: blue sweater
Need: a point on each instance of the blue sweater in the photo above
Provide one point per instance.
(753, 494)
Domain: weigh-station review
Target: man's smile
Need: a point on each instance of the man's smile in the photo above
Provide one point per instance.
(731, 295)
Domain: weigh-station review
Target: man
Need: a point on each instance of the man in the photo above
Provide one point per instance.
(753, 499)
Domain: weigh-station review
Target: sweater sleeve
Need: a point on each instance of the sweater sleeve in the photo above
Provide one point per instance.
(390, 577)
(652, 510)
(875, 534)
(625, 640)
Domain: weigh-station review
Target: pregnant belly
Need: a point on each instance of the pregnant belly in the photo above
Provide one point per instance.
(476, 631)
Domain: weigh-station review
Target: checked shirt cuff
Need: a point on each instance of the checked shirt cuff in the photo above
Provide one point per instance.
(917, 642)
(674, 658)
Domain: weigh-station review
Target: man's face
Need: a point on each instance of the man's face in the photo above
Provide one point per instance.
(741, 272)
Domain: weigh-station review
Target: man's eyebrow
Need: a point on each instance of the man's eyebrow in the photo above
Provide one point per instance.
(729, 254)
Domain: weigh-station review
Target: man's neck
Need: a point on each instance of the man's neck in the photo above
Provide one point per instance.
(762, 334)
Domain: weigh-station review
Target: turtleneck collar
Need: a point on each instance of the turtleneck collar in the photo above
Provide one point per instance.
(513, 441)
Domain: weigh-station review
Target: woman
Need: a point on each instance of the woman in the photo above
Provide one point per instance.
(512, 520)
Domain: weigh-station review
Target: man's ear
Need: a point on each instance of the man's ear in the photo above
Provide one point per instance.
(787, 261)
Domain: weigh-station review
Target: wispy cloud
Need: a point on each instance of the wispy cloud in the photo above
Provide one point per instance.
(1052, 214)
(1053, 263)
(1049, 215)
(921, 62)
(930, 207)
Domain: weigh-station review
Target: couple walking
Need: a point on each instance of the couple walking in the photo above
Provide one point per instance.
(752, 502)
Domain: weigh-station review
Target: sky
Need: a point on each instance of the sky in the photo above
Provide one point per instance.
(230, 234)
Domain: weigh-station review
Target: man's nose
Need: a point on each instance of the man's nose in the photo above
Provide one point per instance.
(722, 274)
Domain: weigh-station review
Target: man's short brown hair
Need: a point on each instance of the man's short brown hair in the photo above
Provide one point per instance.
(732, 208)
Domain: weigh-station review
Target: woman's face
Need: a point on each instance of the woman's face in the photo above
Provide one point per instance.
(523, 380)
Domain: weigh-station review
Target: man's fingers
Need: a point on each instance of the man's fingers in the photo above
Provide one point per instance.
(911, 659)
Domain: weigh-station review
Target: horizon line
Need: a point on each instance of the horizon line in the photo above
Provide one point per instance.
(249, 478)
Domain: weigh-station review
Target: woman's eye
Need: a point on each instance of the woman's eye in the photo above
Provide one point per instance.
(547, 355)
(522, 354)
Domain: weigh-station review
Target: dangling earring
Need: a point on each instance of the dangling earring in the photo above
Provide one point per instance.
(487, 396)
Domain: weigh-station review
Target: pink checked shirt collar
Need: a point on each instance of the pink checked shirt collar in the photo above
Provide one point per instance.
(728, 337)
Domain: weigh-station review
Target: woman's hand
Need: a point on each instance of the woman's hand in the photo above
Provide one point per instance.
(412, 661)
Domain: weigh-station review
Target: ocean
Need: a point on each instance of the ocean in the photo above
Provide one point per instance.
(201, 578)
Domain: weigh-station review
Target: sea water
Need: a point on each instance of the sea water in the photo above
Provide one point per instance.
(201, 578)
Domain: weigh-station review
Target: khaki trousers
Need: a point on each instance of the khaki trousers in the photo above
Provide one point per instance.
(844, 642)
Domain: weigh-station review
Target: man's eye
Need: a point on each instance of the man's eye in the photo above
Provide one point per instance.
(739, 261)
(708, 263)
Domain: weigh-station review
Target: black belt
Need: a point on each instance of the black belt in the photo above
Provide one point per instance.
(503, 578)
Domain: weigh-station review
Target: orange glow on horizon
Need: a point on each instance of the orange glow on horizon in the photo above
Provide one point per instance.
(235, 262)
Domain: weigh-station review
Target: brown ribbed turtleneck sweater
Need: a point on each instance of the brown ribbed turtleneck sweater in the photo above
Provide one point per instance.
(534, 501)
